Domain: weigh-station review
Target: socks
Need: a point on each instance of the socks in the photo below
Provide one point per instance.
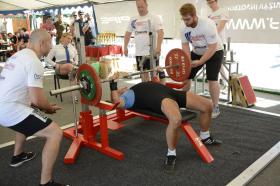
(171, 152)
(204, 135)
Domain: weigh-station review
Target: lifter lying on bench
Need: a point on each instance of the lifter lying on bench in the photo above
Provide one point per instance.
(161, 99)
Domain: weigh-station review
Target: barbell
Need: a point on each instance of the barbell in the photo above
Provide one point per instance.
(177, 65)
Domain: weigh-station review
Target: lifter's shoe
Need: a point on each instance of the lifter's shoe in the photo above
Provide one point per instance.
(52, 183)
(211, 141)
(22, 158)
(169, 164)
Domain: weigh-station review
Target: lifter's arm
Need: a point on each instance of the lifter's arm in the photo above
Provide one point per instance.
(115, 96)
(115, 93)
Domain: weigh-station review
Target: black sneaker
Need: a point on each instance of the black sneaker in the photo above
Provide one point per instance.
(169, 164)
(22, 158)
(211, 141)
(52, 183)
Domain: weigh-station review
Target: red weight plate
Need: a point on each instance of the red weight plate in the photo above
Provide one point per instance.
(98, 88)
(178, 57)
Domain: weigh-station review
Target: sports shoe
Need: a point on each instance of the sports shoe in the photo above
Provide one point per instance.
(215, 112)
(169, 164)
(22, 158)
(211, 141)
(52, 183)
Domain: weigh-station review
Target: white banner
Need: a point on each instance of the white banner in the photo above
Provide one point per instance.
(253, 21)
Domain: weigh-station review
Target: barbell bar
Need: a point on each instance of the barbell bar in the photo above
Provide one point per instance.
(177, 65)
(138, 73)
(83, 84)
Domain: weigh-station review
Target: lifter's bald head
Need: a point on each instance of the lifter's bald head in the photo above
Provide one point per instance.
(40, 42)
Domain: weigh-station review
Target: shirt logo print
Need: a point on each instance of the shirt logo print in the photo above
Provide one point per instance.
(133, 23)
(37, 76)
(188, 36)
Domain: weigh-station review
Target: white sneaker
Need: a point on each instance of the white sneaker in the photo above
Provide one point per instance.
(215, 112)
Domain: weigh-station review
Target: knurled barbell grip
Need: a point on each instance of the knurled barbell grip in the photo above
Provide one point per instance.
(138, 73)
(66, 89)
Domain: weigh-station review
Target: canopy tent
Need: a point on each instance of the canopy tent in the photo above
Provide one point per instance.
(245, 26)
(10, 8)
(252, 22)
(110, 18)
(12, 5)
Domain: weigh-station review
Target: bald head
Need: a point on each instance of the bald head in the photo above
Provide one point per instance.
(40, 42)
(38, 36)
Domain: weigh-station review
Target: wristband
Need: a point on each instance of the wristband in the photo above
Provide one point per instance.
(113, 85)
(161, 75)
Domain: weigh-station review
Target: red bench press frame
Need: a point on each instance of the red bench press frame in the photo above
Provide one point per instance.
(89, 127)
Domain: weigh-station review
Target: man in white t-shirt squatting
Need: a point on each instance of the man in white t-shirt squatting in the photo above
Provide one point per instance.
(141, 25)
(202, 34)
(21, 85)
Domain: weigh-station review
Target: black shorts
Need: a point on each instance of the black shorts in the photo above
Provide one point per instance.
(149, 96)
(35, 122)
(213, 65)
(146, 64)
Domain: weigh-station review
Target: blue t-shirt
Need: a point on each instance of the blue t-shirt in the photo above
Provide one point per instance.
(129, 98)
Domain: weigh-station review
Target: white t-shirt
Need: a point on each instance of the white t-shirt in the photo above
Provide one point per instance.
(58, 51)
(22, 70)
(141, 27)
(220, 15)
(203, 34)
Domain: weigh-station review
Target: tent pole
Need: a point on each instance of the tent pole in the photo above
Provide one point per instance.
(94, 16)
(28, 22)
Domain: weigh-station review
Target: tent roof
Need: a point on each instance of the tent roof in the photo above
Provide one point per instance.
(10, 5)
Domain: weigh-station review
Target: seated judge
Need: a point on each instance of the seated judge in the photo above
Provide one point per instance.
(63, 56)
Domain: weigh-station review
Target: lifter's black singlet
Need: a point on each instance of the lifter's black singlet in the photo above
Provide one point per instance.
(149, 95)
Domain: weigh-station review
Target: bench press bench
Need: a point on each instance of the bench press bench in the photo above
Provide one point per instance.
(187, 115)
(89, 127)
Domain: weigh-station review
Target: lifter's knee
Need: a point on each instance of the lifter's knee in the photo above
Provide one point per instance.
(175, 122)
(208, 107)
